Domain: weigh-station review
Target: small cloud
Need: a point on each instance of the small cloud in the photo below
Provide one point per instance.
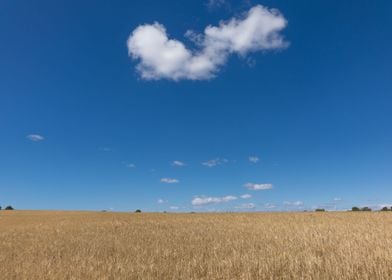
(337, 199)
(105, 149)
(216, 3)
(215, 162)
(204, 200)
(269, 205)
(293, 203)
(161, 201)
(178, 163)
(253, 159)
(131, 165)
(213, 4)
(35, 137)
(169, 180)
(174, 207)
(246, 196)
(246, 206)
(258, 187)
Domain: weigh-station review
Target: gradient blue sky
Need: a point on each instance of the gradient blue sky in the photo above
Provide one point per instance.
(317, 114)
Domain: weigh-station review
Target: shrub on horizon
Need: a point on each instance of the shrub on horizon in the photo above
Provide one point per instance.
(9, 207)
(355, 208)
(320, 210)
(138, 211)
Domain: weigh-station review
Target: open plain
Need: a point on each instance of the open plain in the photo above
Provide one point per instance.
(94, 245)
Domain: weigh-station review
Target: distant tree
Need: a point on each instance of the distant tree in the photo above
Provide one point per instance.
(9, 207)
(366, 209)
(138, 211)
(320, 210)
(385, 209)
(0, 207)
(355, 208)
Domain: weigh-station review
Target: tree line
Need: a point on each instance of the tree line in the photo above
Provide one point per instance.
(357, 209)
(9, 207)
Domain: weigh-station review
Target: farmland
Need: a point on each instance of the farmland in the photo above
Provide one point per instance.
(95, 245)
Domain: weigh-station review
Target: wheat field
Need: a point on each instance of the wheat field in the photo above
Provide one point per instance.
(92, 245)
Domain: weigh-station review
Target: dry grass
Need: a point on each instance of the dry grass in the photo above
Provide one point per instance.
(85, 245)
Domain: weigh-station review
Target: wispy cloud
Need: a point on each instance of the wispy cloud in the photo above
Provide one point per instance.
(246, 206)
(330, 205)
(178, 163)
(105, 149)
(253, 159)
(246, 196)
(215, 162)
(160, 57)
(293, 203)
(35, 137)
(258, 187)
(161, 201)
(131, 165)
(269, 205)
(213, 4)
(205, 200)
(169, 180)
(174, 207)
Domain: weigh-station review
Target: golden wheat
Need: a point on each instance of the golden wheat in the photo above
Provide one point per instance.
(87, 245)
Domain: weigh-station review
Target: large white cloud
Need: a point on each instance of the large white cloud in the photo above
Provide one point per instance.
(258, 187)
(203, 200)
(293, 203)
(160, 57)
(170, 180)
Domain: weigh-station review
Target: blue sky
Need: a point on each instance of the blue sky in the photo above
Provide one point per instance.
(285, 102)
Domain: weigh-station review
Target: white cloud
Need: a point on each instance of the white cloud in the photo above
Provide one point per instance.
(246, 206)
(169, 180)
(131, 165)
(254, 159)
(174, 207)
(35, 137)
(161, 201)
(246, 196)
(337, 199)
(203, 200)
(258, 187)
(160, 57)
(215, 162)
(269, 205)
(293, 203)
(178, 163)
